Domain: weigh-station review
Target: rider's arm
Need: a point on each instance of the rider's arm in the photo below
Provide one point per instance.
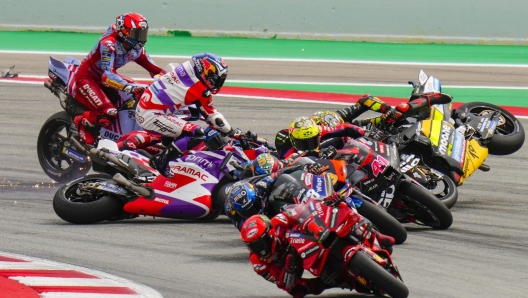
(204, 101)
(364, 104)
(144, 61)
(110, 76)
(342, 130)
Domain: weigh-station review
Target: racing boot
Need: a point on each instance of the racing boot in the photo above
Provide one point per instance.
(82, 124)
(161, 161)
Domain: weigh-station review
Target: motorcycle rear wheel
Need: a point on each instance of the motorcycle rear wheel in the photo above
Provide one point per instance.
(444, 189)
(58, 167)
(71, 207)
(381, 278)
(421, 206)
(383, 221)
(509, 134)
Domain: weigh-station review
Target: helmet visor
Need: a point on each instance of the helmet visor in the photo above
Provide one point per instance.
(261, 246)
(308, 144)
(139, 34)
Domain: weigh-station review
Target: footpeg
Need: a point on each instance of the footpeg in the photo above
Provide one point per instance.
(484, 167)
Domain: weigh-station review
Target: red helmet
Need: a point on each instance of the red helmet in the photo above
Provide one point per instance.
(211, 70)
(255, 233)
(132, 29)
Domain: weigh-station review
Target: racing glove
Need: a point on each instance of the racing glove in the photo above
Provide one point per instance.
(235, 133)
(134, 90)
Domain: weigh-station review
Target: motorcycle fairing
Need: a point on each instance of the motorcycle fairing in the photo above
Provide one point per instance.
(474, 157)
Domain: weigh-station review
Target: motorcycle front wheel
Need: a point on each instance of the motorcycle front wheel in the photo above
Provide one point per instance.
(377, 275)
(59, 167)
(509, 134)
(414, 203)
(383, 221)
(72, 206)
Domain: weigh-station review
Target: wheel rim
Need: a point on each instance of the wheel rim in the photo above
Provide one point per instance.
(54, 137)
(505, 126)
(75, 195)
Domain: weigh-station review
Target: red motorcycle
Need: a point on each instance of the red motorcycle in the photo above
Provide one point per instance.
(324, 239)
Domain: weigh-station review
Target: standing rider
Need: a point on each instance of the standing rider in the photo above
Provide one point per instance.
(192, 82)
(96, 81)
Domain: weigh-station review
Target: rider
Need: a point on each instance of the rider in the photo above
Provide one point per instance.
(96, 83)
(276, 261)
(418, 102)
(246, 198)
(305, 135)
(190, 83)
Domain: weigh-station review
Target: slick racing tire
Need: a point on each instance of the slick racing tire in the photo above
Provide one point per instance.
(419, 206)
(367, 268)
(509, 134)
(73, 208)
(444, 188)
(383, 221)
(54, 163)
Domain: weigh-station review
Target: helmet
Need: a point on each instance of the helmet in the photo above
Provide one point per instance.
(132, 29)
(266, 163)
(211, 70)
(304, 134)
(327, 118)
(255, 233)
(244, 199)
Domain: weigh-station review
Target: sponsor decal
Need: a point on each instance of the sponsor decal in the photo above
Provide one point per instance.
(190, 171)
(333, 219)
(319, 184)
(472, 152)
(163, 127)
(199, 161)
(78, 157)
(95, 100)
(170, 184)
(251, 233)
(163, 201)
(297, 240)
(308, 180)
(310, 251)
(457, 146)
(110, 135)
(492, 126)
(319, 209)
(381, 148)
(444, 139)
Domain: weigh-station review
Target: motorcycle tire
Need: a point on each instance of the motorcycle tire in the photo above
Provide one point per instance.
(62, 169)
(383, 221)
(422, 206)
(509, 134)
(367, 268)
(76, 210)
(446, 190)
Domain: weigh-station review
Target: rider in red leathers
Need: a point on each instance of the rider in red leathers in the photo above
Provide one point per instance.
(189, 83)
(96, 81)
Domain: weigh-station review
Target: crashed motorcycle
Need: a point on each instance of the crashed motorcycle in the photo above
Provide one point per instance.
(59, 148)
(448, 146)
(126, 186)
(324, 239)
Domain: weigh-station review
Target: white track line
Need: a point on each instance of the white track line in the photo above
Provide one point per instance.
(342, 61)
(315, 83)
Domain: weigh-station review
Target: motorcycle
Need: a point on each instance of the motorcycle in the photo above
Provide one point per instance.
(385, 182)
(449, 145)
(323, 237)
(59, 148)
(126, 186)
(299, 186)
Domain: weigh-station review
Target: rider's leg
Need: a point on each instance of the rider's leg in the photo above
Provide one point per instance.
(102, 110)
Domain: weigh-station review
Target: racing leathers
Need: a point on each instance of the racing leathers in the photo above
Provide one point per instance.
(96, 81)
(329, 137)
(158, 106)
(389, 114)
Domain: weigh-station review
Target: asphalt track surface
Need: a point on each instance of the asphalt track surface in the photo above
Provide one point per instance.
(482, 255)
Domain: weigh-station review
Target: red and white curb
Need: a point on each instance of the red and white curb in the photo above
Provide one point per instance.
(29, 277)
